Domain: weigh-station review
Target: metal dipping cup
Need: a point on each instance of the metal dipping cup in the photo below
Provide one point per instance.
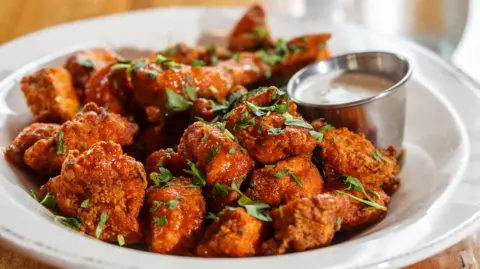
(380, 117)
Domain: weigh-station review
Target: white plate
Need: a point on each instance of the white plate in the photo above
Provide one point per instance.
(436, 206)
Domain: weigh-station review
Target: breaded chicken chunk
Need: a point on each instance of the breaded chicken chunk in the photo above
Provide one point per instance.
(175, 220)
(109, 88)
(357, 215)
(166, 158)
(250, 33)
(50, 95)
(286, 181)
(303, 224)
(234, 234)
(83, 64)
(269, 127)
(27, 137)
(222, 159)
(104, 189)
(345, 153)
(91, 125)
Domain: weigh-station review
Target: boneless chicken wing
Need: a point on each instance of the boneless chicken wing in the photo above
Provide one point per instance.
(302, 224)
(104, 189)
(261, 127)
(183, 54)
(175, 220)
(345, 153)
(286, 181)
(50, 95)
(234, 234)
(27, 137)
(89, 126)
(83, 64)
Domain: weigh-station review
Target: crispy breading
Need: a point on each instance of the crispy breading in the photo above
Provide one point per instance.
(175, 222)
(234, 234)
(26, 138)
(89, 126)
(276, 185)
(50, 95)
(113, 183)
(82, 64)
(303, 224)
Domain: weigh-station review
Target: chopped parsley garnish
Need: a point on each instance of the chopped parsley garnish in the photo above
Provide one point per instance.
(377, 156)
(339, 223)
(85, 203)
(298, 48)
(119, 66)
(275, 131)
(197, 63)
(220, 189)
(60, 144)
(172, 204)
(160, 221)
(152, 74)
(70, 164)
(212, 50)
(34, 195)
(165, 62)
(71, 223)
(232, 151)
(176, 102)
(211, 215)
(325, 127)
(85, 62)
(138, 65)
(296, 179)
(244, 125)
(335, 139)
(260, 32)
(255, 209)
(355, 185)
(244, 116)
(198, 175)
(206, 136)
(291, 121)
(120, 240)
(83, 146)
(101, 224)
(317, 135)
(162, 177)
(282, 173)
(155, 205)
(174, 50)
(212, 152)
(236, 57)
(269, 58)
(49, 201)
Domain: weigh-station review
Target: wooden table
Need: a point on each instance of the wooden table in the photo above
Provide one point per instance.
(18, 17)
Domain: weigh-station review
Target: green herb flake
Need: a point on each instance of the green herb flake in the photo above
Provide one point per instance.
(172, 204)
(85, 62)
(255, 209)
(275, 131)
(244, 116)
(120, 240)
(34, 195)
(155, 205)
(211, 216)
(71, 223)
(298, 48)
(212, 152)
(60, 144)
(85, 203)
(296, 179)
(260, 32)
(377, 156)
(176, 102)
(119, 67)
(69, 164)
(160, 221)
(236, 57)
(282, 173)
(212, 50)
(162, 177)
(322, 45)
(221, 189)
(198, 175)
(244, 125)
(101, 224)
(189, 89)
(206, 136)
(49, 201)
(291, 121)
(326, 127)
(356, 185)
(335, 139)
(197, 63)
(339, 223)
(270, 166)
(317, 135)
(83, 146)
(232, 151)
(152, 74)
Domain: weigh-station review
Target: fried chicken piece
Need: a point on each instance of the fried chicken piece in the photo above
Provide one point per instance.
(101, 181)
(356, 215)
(303, 224)
(27, 137)
(82, 64)
(345, 153)
(50, 95)
(251, 32)
(247, 68)
(168, 159)
(266, 137)
(222, 159)
(175, 222)
(110, 89)
(183, 54)
(203, 108)
(89, 126)
(288, 180)
(234, 234)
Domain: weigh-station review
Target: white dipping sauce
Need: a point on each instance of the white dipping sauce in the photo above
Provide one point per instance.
(341, 87)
